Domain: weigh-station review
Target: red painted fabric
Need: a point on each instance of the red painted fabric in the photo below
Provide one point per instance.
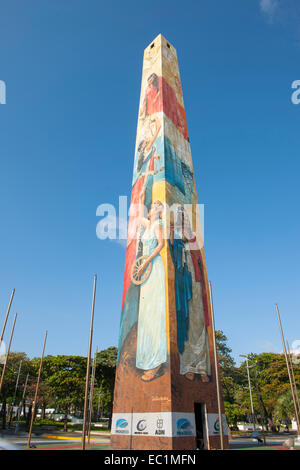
(153, 99)
(164, 99)
(173, 109)
(199, 274)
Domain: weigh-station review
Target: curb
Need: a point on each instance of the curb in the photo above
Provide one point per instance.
(68, 438)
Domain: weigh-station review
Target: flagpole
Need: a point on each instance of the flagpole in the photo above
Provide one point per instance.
(22, 403)
(216, 368)
(88, 367)
(36, 393)
(92, 395)
(15, 394)
(8, 350)
(6, 316)
(288, 368)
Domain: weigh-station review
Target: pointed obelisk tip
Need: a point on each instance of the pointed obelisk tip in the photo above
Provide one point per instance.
(161, 41)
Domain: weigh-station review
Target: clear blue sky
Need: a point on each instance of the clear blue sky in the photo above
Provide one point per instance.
(67, 134)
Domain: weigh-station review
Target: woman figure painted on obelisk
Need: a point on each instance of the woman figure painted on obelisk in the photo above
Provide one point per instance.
(151, 350)
(191, 300)
(159, 95)
(146, 156)
(152, 102)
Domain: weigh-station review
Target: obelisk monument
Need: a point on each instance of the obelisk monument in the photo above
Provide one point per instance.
(165, 390)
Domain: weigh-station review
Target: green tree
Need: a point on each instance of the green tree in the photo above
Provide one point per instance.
(105, 376)
(284, 409)
(65, 377)
(10, 378)
(230, 378)
(269, 380)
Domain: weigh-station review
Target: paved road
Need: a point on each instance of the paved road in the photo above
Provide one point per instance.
(271, 441)
(60, 440)
(57, 439)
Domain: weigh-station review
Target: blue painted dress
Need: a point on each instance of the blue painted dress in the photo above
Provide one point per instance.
(151, 339)
(183, 290)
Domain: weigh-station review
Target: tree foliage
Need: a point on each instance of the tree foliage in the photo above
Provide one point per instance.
(63, 378)
(105, 376)
(269, 382)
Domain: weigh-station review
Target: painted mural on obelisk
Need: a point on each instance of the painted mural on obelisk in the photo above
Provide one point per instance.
(165, 393)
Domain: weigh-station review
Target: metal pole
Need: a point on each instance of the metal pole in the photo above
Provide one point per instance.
(36, 392)
(250, 391)
(293, 376)
(98, 407)
(216, 368)
(92, 395)
(288, 368)
(8, 350)
(6, 316)
(88, 368)
(21, 403)
(23, 396)
(15, 394)
(262, 414)
(25, 386)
